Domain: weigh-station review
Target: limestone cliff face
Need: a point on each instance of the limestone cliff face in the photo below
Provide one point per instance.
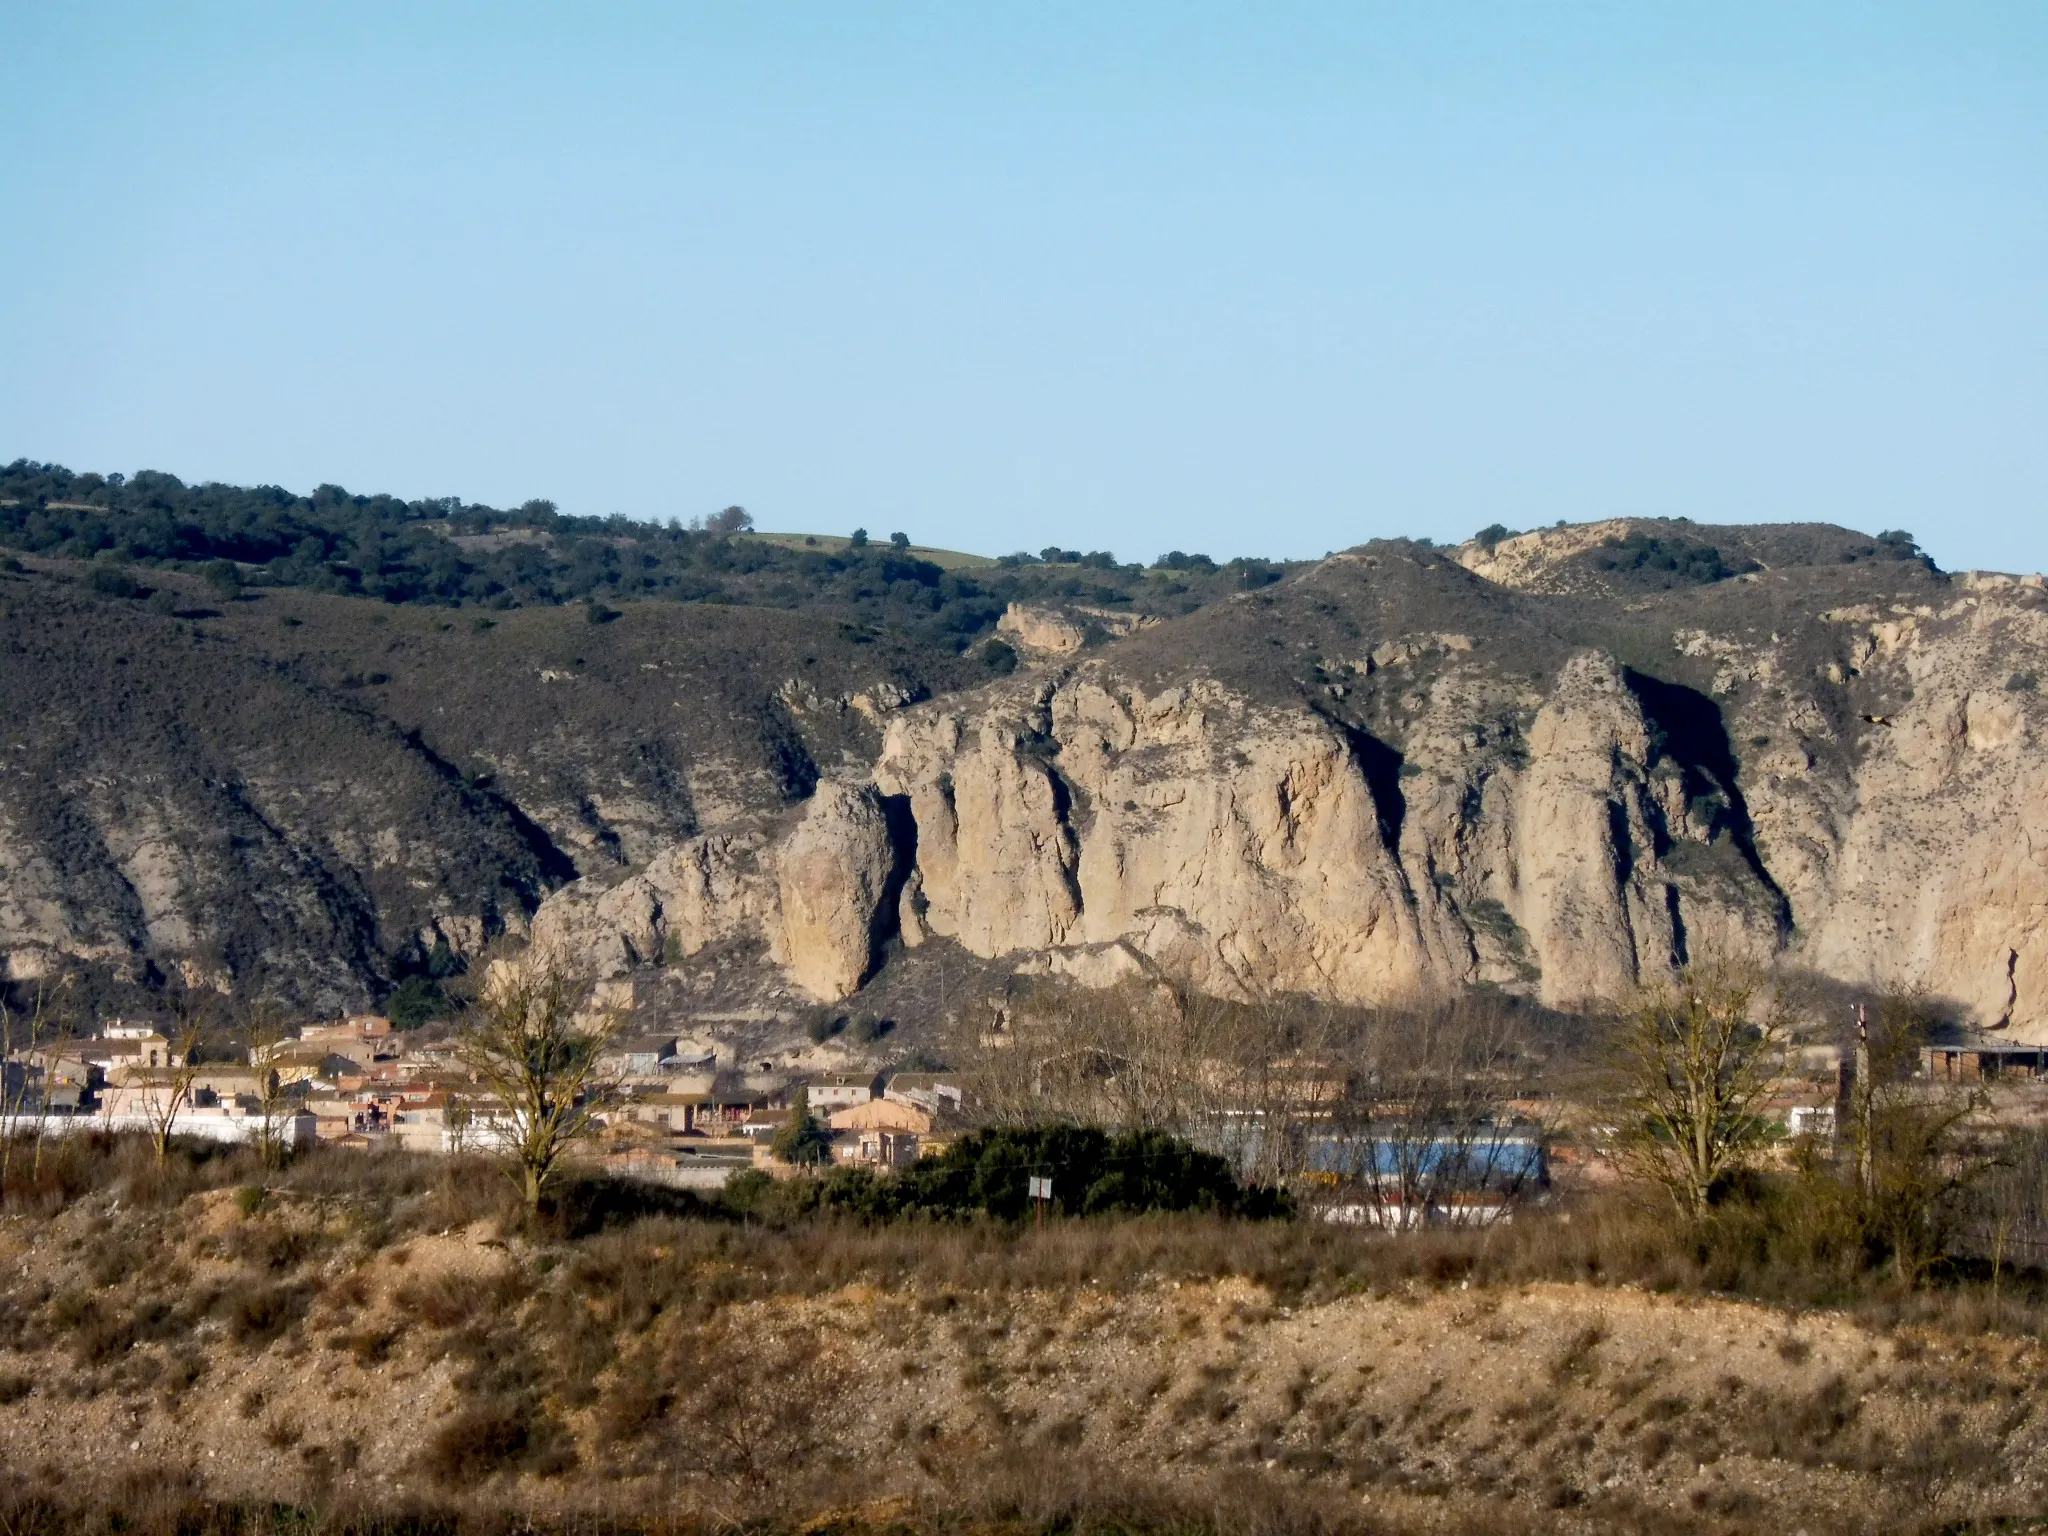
(1865, 798)
(814, 893)
(697, 893)
(1237, 845)
(1939, 878)
(831, 877)
(1250, 849)
(1246, 848)
(1586, 895)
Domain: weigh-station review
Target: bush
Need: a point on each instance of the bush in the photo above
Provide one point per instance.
(418, 1001)
(111, 581)
(494, 1437)
(256, 1314)
(1092, 1173)
(867, 1029)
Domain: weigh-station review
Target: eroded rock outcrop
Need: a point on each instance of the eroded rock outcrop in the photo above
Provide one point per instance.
(1041, 631)
(1239, 846)
(1940, 878)
(1568, 830)
(1584, 891)
(698, 893)
(1246, 848)
(832, 876)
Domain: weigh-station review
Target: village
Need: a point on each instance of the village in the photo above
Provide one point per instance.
(664, 1112)
(667, 1115)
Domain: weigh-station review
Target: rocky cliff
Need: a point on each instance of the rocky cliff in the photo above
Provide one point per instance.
(1556, 763)
(1307, 790)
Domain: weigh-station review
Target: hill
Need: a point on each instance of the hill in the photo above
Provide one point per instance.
(445, 552)
(833, 544)
(255, 738)
(312, 789)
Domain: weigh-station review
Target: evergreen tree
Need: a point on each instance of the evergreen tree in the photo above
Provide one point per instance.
(803, 1140)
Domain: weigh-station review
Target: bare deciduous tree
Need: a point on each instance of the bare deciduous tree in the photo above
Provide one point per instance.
(1921, 1147)
(266, 1031)
(26, 1034)
(1427, 1121)
(533, 1045)
(164, 1093)
(1244, 1078)
(1696, 1059)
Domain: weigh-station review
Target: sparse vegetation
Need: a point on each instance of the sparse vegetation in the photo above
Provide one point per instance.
(1675, 560)
(723, 1357)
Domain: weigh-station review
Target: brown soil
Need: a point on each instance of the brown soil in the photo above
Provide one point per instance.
(288, 1351)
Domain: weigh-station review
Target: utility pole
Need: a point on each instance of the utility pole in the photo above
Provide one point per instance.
(1863, 1091)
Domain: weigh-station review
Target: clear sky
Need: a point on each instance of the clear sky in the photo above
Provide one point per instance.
(1260, 279)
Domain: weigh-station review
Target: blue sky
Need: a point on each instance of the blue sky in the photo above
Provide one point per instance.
(1241, 279)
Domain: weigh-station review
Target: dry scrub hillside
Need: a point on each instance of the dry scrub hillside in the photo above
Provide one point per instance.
(375, 1335)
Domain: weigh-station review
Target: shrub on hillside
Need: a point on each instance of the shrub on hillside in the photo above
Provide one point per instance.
(498, 1436)
(417, 1002)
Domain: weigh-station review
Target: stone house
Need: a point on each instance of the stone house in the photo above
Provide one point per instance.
(839, 1090)
(880, 1133)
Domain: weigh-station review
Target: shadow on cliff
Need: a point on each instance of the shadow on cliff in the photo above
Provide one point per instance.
(1381, 766)
(1688, 727)
(902, 827)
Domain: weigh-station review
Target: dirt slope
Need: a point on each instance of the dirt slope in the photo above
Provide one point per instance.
(296, 1351)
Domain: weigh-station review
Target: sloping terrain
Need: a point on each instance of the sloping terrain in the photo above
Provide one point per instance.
(306, 790)
(360, 1337)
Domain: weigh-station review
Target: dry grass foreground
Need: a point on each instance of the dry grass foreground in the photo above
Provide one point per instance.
(375, 1341)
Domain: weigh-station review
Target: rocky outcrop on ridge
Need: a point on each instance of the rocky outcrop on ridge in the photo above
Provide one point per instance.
(1849, 789)
(831, 878)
